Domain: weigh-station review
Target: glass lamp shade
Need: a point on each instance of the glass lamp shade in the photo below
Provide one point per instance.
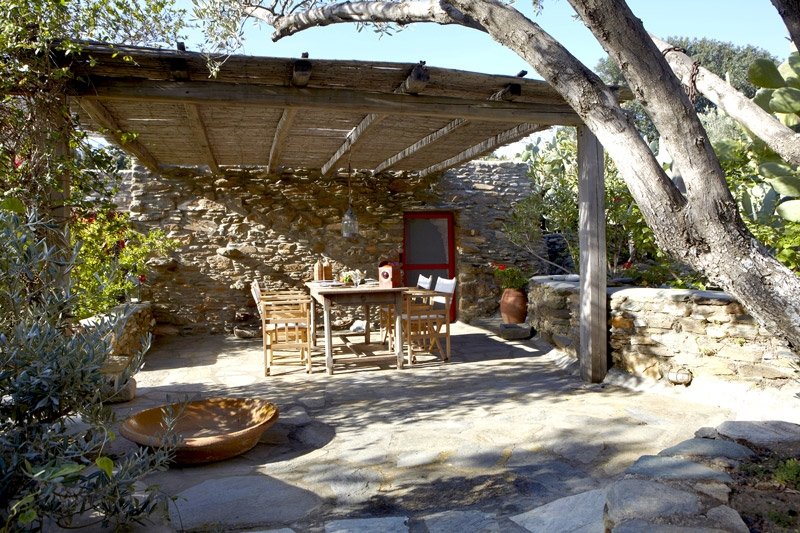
(349, 223)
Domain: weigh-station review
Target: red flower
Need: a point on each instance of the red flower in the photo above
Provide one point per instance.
(18, 160)
(142, 278)
(626, 265)
(501, 267)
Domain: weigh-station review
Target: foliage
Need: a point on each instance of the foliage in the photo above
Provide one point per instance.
(788, 473)
(55, 462)
(767, 189)
(39, 143)
(112, 259)
(510, 277)
(553, 207)
(726, 60)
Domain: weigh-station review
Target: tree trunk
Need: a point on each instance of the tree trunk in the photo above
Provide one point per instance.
(789, 10)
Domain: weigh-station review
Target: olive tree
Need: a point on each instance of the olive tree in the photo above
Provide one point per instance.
(701, 227)
(56, 459)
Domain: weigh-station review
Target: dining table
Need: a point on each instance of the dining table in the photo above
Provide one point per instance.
(330, 293)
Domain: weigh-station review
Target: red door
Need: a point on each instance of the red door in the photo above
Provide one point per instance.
(429, 247)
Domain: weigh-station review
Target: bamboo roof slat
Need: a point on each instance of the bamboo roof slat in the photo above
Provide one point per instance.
(319, 115)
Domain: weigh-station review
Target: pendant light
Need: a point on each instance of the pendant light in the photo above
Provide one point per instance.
(349, 220)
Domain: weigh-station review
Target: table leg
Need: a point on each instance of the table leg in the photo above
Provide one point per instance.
(398, 329)
(326, 314)
(367, 339)
(313, 324)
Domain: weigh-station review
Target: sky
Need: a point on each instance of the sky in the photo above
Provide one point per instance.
(741, 22)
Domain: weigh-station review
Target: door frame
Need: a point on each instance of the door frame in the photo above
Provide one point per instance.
(450, 266)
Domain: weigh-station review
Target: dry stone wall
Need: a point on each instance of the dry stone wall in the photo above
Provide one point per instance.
(654, 332)
(247, 225)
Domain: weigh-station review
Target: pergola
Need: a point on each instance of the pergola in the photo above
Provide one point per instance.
(324, 115)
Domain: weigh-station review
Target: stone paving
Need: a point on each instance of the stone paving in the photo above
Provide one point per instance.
(503, 438)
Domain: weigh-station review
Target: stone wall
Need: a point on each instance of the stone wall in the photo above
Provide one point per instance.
(245, 225)
(656, 331)
(132, 323)
(553, 310)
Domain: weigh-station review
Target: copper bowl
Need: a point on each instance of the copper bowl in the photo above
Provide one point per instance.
(207, 430)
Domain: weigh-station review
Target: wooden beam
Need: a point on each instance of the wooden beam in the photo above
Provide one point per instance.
(592, 241)
(508, 93)
(352, 138)
(414, 83)
(106, 120)
(504, 137)
(420, 144)
(301, 72)
(209, 92)
(201, 135)
(279, 140)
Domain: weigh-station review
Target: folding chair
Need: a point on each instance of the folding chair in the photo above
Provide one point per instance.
(426, 320)
(387, 313)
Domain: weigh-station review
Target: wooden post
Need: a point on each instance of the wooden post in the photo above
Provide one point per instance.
(593, 350)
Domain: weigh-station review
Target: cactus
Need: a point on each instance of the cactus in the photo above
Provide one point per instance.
(779, 94)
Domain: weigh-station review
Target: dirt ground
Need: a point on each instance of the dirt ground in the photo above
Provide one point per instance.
(765, 502)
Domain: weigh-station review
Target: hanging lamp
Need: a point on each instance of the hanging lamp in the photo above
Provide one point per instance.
(349, 220)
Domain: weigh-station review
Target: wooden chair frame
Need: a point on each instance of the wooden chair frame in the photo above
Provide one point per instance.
(425, 322)
(285, 323)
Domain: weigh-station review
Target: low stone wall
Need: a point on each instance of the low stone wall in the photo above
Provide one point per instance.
(656, 331)
(553, 311)
(136, 321)
(132, 323)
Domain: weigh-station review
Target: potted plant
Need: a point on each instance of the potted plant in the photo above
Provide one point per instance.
(514, 300)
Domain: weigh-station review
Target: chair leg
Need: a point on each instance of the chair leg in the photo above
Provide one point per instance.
(268, 355)
(447, 339)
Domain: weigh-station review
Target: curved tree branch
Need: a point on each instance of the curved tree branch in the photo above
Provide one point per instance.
(436, 11)
(784, 141)
(666, 102)
(789, 10)
(594, 102)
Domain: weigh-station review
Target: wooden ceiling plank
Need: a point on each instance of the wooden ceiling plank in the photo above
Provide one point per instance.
(352, 138)
(279, 140)
(106, 120)
(500, 139)
(414, 83)
(507, 93)
(201, 135)
(420, 144)
(203, 92)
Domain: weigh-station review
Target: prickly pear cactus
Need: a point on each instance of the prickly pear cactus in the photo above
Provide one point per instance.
(779, 94)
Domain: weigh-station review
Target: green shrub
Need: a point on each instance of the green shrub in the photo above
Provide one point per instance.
(553, 208)
(510, 277)
(55, 463)
(788, 473)
(112, 261)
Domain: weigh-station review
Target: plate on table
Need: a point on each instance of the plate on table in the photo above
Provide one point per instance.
(331, 284)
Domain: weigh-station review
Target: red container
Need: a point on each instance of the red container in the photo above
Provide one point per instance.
(389, 274)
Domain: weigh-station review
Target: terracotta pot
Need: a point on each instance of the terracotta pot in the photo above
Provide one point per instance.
(514, 306)
(207, 430)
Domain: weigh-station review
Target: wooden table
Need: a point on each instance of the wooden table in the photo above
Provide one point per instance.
(364, 295)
